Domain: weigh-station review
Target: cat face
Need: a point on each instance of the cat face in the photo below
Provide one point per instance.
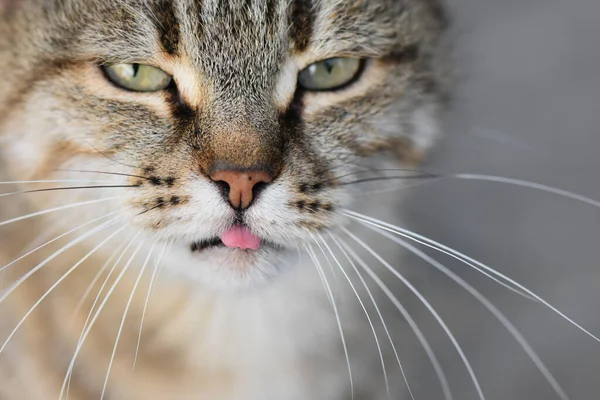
(234, 125)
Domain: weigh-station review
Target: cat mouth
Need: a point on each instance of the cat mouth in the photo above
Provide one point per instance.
(206, 244)
(237, 237)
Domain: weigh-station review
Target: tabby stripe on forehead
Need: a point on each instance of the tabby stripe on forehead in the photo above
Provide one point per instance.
(271, 13)
(167, 25)
(301, 23)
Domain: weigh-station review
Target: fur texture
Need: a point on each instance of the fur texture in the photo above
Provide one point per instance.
(223, 324)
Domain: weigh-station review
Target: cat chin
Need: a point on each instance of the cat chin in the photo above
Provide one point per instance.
(226, 270)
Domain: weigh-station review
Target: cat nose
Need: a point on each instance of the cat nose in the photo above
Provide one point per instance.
(241, 187)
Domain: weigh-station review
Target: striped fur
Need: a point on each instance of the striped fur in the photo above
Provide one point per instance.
(236, 104)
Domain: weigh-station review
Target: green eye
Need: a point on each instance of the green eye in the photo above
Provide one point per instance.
(138, 77)
(330, 74)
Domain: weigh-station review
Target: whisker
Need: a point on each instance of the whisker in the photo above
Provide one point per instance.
(486, 178)
(66, 247)
(56, 189)
(389, 178)
(426, 303)
(462, 257)
(150, 285)
(337, 316)
(331, 269)
(161, 267)
(45, 234)
(365, 171)
(94, 319)
(97, 299)
(527, 184)
(406, 315)
(51, 210)
(84, 171)
(313, 257)
(56, 239)
(110, 158)
(385, 376)
(364, 219)
(133, 290)
(487, 304)
(380, 315)
(54, 181)
(95, 280)
(345, 163)
(58, 282)
(404, 187)
(106, 280)
(149, 210)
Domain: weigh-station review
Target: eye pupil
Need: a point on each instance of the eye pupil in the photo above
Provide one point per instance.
(136, 68)
(329, 66)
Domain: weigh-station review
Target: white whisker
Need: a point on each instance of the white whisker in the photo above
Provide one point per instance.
(150, 285)
(51, 210)
(161, 268)
(331, 269)
(487, 304)
(133, 290)
(94, 319)
(106, 280)
(527, 184)
(58, 282)
(56, 239)
(55, 181)
(313, 257)
(95, 280)
(385, 376)
(69, 245)
(365, 219)
(336, 312)
(97, 299)
(380, 315)
(462, 257)
(426, 303)
(406, 315)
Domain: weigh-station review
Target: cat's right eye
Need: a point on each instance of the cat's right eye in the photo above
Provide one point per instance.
(330, 74)
(138, 77)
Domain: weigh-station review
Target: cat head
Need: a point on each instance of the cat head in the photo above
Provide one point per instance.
(233, 125)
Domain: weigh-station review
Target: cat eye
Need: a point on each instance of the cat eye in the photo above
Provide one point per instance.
(138, 77)
(330, 74)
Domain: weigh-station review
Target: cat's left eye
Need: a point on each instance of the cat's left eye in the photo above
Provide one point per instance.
(138, 77)
(330, 74)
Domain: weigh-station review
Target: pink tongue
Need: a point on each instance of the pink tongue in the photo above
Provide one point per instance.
(239, 237)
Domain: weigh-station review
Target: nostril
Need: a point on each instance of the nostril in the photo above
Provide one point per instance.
(258, 188)
(224, 188)
(240, 188)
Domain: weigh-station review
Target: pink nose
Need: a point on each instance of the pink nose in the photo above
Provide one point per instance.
(241, 187)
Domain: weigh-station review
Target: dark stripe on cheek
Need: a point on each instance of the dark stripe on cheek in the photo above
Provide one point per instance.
(301, 23)
(184, 116)
(167, 25)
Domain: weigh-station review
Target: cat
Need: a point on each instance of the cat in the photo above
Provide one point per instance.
(183, 176)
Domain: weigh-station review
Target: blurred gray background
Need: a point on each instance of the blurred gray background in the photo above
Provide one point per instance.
(527, 107)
